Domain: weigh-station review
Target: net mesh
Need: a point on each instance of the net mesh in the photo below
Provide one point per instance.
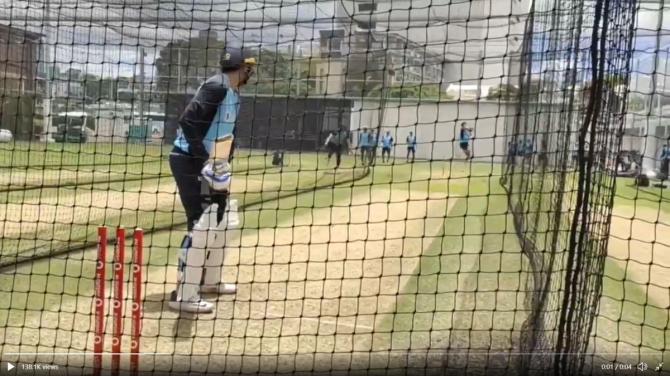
(493, 222)
(561, 169)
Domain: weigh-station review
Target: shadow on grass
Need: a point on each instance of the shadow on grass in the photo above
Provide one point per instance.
(184, 326)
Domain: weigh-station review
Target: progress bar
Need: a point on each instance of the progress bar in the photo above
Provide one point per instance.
(86, 353)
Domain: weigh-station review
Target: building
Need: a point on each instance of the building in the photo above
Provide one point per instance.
(363, 58)
(330, 45)
(412, 63)
(327, 76)
(69, 84)
(19, 50)
(454, 42)
(129, 89)
(18, 60)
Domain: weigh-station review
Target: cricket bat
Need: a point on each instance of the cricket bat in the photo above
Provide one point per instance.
(221, 148)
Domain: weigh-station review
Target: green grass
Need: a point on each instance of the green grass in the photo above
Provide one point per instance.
(56, 154)
(631, 326)
(627, 194)
(468, 288)
(479, 262)
(151, 176)
(61, 234)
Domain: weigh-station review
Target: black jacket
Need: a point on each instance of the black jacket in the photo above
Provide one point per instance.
(199, 114)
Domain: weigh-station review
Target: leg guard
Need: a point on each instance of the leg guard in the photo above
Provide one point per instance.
(183, 249)
(192, 261)
(216, 249)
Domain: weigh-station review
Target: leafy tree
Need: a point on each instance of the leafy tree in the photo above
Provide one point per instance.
(185, 64)
(279, 74)
(97, 88)
(636, 102)
(505, 92)
(424, 91)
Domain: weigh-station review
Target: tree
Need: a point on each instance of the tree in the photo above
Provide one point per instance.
(279, 74)
(610, 90)
(636, 102)
(273, 74)
(428, 91)
(97, 88)
(505, 92)
(185, 64)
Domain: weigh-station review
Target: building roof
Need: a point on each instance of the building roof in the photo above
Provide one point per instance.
(338, 33)
(73, 114)
(24, 34)
(408, 45)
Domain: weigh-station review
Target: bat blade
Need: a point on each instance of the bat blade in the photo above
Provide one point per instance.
(222, 148)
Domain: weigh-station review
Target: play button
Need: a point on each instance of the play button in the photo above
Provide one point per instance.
(10, 366)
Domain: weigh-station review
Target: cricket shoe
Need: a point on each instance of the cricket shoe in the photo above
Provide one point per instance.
(193, 306)
(219, 288)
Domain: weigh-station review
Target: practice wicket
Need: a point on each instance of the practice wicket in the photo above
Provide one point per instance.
(117, 299)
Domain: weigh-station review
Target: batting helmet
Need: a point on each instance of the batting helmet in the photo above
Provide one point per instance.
(233, 58)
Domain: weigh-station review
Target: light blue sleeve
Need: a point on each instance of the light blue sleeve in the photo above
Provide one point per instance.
(223, 123)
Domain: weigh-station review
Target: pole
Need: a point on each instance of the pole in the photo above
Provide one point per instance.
(48, 103)
(481, 75)
(111, 83)
(142, 124)
(178, 69)
(298, 74)
(649, 152)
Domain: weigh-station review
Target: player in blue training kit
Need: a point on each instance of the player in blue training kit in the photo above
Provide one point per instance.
(464, 140)
(364, 141)
(665, 159)
(387, 144)
(208, 119)
(372, 148)
(411, 146)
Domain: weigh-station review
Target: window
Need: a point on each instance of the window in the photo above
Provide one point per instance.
(335, 45)
(367, 7)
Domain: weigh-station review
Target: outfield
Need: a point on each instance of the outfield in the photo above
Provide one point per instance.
(335, 271)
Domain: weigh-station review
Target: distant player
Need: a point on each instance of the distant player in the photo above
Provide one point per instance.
(364, 143)
(529, 150)
(334, 146)
(464, 140)
(387, 144)
(201, 152)
(665, 159)
(329, 144)
(511, 152)
(411, 146)
(372, 149)
(542, 156)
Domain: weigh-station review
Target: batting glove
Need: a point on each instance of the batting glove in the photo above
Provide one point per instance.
(218, 175)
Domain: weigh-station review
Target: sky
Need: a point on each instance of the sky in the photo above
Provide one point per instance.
(113, 50)
(652, 33)
(88, 45)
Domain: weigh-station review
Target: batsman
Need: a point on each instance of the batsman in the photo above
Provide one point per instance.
(200, 164)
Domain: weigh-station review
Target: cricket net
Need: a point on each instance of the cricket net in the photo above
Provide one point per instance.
(421, 187)
(563, 159)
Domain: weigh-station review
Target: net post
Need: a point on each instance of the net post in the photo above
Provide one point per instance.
(137, 301)
(117, 302)
(99, 338)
